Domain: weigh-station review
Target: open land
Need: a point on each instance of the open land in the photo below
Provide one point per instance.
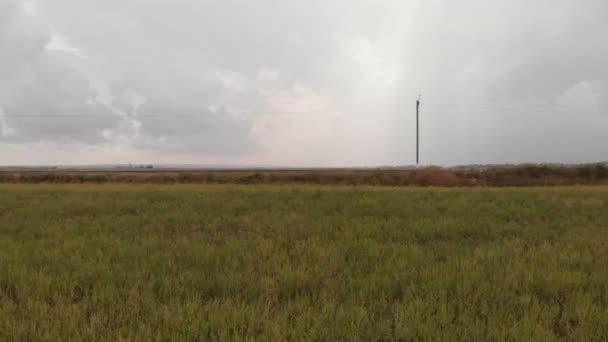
(293, 262)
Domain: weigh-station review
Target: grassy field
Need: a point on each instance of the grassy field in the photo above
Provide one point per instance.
(226, 262)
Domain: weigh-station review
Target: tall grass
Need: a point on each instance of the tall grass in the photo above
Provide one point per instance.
(226, 262)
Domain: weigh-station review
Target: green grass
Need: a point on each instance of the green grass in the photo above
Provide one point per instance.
(226, 262)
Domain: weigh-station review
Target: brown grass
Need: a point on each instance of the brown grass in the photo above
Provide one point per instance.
(526, 175)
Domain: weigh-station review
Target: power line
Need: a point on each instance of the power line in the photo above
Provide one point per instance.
(199, 116)
(494, 107)
(87, 116)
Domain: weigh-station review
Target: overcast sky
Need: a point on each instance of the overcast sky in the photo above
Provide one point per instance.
(303, 83)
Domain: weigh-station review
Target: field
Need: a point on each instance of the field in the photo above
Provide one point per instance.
(265, 262)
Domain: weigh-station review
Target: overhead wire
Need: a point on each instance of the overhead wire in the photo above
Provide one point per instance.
(425, 103)
(511, 109)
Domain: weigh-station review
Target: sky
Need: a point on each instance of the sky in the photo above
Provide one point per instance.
(303, 83)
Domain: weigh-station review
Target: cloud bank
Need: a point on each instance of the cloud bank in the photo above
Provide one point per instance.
(296, 83)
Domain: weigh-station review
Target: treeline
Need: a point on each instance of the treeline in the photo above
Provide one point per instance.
(525, 175)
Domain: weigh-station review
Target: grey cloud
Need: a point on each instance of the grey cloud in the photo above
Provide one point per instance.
(22, 39)
(309, 82)
(43, 98)
(510, 51)
(174, 114)
(236, 35)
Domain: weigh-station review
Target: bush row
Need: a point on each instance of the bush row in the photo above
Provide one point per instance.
(527, 175)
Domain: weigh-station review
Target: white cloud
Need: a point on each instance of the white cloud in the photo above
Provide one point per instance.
(232, 80)
(60, 43)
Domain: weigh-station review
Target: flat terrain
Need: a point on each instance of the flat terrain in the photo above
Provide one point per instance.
(225, 262)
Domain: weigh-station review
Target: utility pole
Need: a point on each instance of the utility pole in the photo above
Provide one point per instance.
(417, 131)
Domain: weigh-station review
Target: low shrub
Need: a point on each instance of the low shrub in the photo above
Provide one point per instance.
(437, 177)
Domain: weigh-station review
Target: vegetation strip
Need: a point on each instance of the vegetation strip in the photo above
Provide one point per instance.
(530, 175)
